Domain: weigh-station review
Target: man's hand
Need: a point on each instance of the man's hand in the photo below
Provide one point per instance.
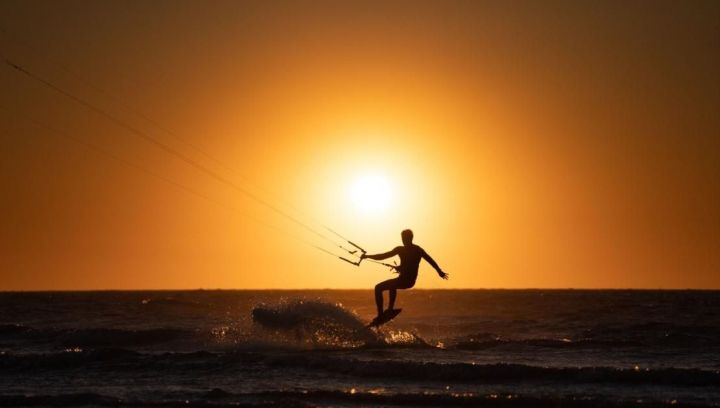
(363, 256)
(443, 275)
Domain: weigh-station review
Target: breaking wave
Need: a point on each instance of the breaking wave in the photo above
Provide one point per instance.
(326, 324)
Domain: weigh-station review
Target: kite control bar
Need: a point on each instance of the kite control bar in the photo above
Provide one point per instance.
(361, 258)
(353, 253)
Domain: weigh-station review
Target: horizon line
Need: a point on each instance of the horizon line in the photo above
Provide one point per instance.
(346, 289)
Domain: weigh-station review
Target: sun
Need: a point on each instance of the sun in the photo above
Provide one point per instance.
(371, 193)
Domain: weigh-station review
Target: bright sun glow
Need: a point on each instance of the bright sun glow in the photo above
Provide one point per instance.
(371, 193)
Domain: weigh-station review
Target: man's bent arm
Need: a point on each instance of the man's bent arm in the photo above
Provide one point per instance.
(431, 261)
(434, 264)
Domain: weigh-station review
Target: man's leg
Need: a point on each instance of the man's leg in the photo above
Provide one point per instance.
(379, 299)
(393, 295)
(391, 285)
(398, 284)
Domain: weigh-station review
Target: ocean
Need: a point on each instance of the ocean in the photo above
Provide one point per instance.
(310, 348)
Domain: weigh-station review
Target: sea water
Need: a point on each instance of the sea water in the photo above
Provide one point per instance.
(311, 348)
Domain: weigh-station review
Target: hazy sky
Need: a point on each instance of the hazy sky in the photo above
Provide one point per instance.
(528, 144)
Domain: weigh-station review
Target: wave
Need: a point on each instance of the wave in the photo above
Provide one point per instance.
(313, 324)
(306, 324)
(327, 324)
(123, 360)
(219, 398)
(501, 372)
(664, 334)
(485, 341)
(293, 329)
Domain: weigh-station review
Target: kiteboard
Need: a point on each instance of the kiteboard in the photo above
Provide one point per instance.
(385, 317)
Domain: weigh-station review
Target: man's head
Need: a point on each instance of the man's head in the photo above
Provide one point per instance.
(407, 236)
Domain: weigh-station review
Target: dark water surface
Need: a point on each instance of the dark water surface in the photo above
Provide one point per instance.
(310, 348)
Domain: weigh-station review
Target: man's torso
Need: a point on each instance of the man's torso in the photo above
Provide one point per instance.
(410, 257)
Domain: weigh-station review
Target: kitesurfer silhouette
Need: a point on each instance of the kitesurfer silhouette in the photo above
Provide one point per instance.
(410, 256)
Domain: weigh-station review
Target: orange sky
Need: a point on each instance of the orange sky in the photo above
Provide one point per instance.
(528, 144)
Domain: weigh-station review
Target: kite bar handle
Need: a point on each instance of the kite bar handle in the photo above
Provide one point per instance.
(360, 258)
(349, 261)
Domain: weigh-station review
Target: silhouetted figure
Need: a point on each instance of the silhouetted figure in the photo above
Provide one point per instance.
(410, 255)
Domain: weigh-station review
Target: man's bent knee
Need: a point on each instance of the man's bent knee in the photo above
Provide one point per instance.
(385, 285)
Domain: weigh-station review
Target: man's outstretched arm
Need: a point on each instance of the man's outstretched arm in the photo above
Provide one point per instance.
(434, 264)
(379, 257)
